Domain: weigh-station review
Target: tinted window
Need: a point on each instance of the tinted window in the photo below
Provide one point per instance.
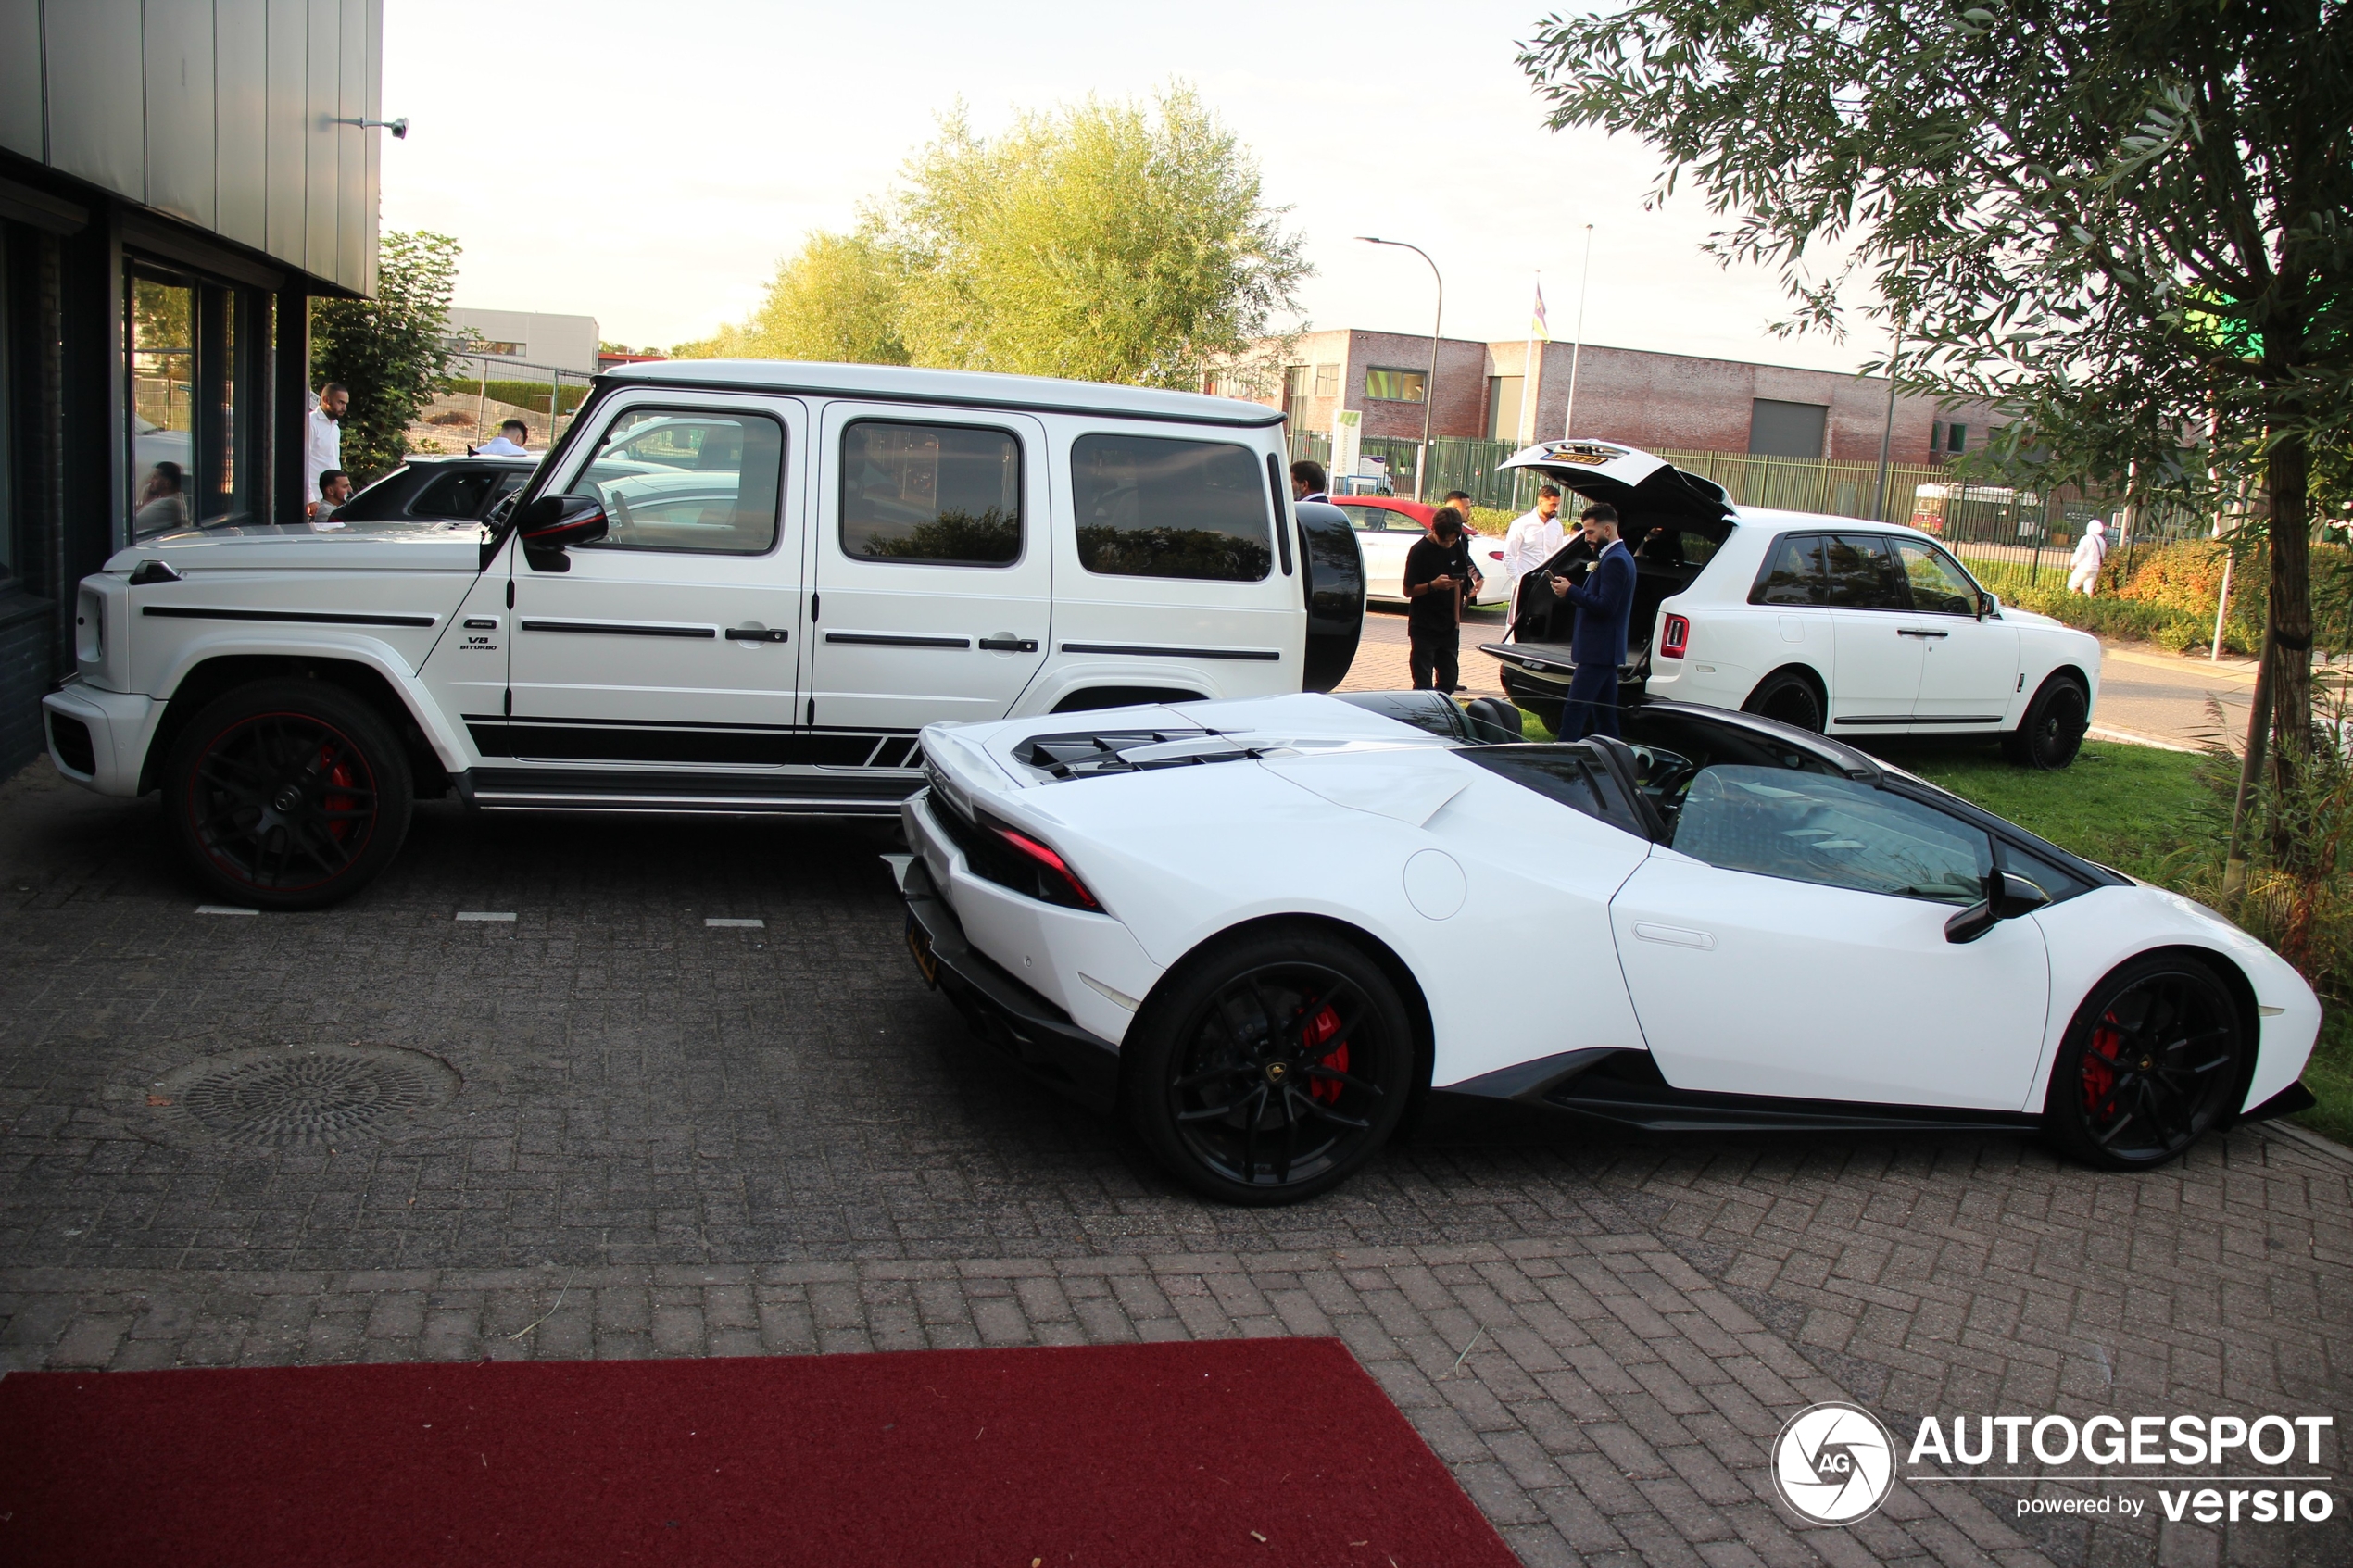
(1154, 508)
(1571, 775)
(462, 494)
(675, 480)
(1676, 547)
(944, 494)
(1793, 573)
(1939, 585)
(1375, 518)
(1803, 827)
(1860, 574)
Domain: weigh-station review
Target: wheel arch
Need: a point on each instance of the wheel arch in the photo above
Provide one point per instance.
(2226, 969)
(1400, 974)
(1804, 670)
(217, 676)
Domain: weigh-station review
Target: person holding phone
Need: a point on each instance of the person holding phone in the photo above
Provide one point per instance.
(1604, 601)
(1436, 570)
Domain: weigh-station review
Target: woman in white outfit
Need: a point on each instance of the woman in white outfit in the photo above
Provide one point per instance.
(2090, 555)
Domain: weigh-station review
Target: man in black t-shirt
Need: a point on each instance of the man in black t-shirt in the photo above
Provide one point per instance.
(1437, 568)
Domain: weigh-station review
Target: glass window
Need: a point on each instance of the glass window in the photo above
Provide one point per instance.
(1571, 775)
(1327, 381)
(466, 493)
(1149, 506)
(1793, 573)
(1376, 518)
(1858, 573)
(162, 334)
(673, 478)
(940, 494)
(1939, 585)
(1804, 827)
(1397, 386)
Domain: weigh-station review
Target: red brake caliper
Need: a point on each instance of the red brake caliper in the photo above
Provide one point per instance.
(2099, 1065)
(1319, 1029)
(338, 775)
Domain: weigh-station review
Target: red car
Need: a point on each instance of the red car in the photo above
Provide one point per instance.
(1385, 529)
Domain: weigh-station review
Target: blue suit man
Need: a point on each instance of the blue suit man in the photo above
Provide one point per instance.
(1604, 604)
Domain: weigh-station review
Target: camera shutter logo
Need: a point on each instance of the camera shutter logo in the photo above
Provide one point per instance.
(1833, 1463)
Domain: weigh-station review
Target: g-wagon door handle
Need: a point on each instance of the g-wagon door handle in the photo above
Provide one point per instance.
(1005, 642)
(757, 635)
(1920, 632)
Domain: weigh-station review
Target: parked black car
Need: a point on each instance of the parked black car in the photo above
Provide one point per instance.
(447, 489)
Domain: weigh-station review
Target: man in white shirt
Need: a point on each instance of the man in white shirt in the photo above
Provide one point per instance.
(499, 445)
(1533, 539)
(322, 442)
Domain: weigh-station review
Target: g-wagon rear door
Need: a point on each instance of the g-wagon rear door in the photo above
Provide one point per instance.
(932, 572)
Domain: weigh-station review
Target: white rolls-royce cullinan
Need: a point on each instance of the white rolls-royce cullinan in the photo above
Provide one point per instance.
(1256, 927)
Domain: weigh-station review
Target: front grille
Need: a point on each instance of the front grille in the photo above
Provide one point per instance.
(70, 738)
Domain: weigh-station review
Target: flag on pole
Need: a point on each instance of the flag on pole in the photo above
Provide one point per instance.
(1537, 331)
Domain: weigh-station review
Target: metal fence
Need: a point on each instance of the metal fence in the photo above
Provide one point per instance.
(489, 387)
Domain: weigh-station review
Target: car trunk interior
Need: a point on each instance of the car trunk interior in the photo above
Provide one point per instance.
(1667, 557)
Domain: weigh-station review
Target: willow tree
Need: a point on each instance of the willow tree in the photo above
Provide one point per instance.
(2123, 222)
(1113, 241)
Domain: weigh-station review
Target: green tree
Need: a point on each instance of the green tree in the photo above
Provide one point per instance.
(1112, 241)
(391, 351)
(836, 300)
(2120, 219)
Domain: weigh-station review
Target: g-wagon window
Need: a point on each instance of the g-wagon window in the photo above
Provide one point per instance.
(698, 482)
(1809, 827)
(1149, 506)
(930, 495)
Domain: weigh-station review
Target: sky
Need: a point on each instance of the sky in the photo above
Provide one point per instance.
(649, 164)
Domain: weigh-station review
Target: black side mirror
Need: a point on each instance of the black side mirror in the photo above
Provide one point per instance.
(2008, 896)
(554, 523)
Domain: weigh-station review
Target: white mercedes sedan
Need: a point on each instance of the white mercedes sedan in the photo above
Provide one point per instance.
(1260, 929)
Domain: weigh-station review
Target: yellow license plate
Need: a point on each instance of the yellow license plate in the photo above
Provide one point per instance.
(919, 943)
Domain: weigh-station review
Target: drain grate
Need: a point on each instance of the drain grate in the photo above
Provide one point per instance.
(319, 1097)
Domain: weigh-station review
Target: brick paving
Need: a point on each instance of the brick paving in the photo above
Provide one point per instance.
(673, 1139)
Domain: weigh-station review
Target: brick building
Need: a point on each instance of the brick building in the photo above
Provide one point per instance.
(1673, 402)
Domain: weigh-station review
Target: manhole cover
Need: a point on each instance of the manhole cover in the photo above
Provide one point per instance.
(319, 1097)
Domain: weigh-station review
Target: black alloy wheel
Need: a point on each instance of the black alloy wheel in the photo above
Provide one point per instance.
(287, 795)
(1790, 698)
(2052, 732)
(2150, 1063)
(1272, 1069)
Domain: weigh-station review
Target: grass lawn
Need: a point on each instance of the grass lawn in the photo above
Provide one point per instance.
(2141, 811)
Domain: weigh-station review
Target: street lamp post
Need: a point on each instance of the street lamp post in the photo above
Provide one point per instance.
(1429, 384)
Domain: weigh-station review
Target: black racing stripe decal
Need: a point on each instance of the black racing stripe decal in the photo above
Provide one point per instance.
(305, 616)
(621, 628)
(1268, 654)
(569, 741)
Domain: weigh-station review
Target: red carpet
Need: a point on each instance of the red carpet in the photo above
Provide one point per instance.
(1266, 1452)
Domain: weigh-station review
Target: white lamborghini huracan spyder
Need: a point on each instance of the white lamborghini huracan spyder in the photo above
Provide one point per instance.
(1264, 928)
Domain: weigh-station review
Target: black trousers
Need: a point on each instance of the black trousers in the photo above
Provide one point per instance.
(1592, 708)
(1434, 657)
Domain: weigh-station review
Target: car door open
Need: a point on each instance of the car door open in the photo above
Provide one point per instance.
(1794, 944)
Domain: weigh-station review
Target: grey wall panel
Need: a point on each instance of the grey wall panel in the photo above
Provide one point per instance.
(241, 97)
(377, 142)
(321, 135)
(96, 95)
(288, 111)
(179, 96)
(21, 78)
(353, 196)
